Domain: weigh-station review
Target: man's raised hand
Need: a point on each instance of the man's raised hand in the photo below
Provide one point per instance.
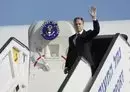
(92, 12)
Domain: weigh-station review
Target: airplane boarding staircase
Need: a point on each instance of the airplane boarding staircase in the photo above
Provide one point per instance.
(110, 52)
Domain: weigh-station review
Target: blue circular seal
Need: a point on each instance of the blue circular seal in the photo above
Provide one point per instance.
(49, 30)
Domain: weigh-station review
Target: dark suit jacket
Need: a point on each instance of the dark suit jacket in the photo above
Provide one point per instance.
(82, 47)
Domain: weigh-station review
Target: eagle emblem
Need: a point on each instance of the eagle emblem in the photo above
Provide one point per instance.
(50, 30)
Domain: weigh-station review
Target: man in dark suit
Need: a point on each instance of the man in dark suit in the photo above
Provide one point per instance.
(79, 43)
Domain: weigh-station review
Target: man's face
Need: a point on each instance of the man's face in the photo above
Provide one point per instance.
(79, 25)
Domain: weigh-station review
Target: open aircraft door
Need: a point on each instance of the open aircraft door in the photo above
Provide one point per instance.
(14, 66)
(111, 54)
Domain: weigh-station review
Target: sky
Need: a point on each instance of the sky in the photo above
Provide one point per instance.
(22, 12)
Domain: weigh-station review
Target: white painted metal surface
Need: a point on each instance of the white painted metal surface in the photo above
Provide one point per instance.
(50, 81)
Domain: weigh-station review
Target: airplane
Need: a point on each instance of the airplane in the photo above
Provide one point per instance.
(46, 53)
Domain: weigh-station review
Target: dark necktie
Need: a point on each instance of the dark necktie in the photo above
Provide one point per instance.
(76, 37)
